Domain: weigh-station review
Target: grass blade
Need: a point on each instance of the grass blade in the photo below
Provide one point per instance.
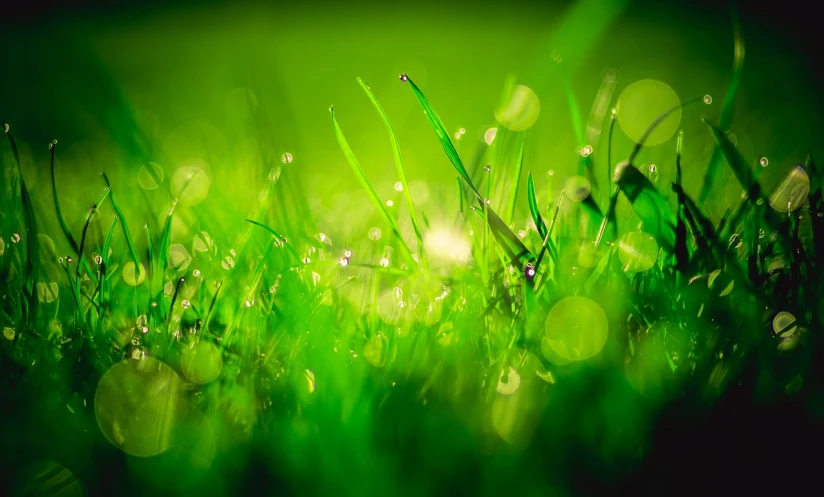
(681, 249)
(126, 232)
(727, 108)
(533, 206)
(648, 203)
(510, 243)
(396, 154)
(356, 167)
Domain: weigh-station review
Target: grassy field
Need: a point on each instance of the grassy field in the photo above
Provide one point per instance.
(209, 310)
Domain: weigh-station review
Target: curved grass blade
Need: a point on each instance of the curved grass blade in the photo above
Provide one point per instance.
(81, 259)
(278, 237)
(516, 183)
(816, 204)
(103, 283)
(353, 162)
(59, 211)
(658, 120)
(533, 206)
(729, 101)
(598, 271)
(510, 243)
(32, 242)
(648, 203)
(681, 250)
(396, 153)
(126, 232)
(745, 177)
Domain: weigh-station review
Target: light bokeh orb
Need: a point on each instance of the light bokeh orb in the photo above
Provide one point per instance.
(637, 251)
(641, 103)
(576, 329)
(201, 362)
(521, 110)
(136, 405)
(191, 183)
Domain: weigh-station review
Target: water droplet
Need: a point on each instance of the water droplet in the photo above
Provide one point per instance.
(821, 214)
(764, 162)
(343, 261)
(384, 262)
(176, 333)
(306, 260)
(144, 330)
(609, 75)
(488, 201)
(457, 136)
(185, 304)
(389, 203)
(60, 260)
(135, 341)
(487, 168)
(374, 234)
(653, 168)
(7, 128)
(286, 158)
(404, 78)
(249, 303)
(15, 238)
(398, 186)
(462, 131)
(347, 253)
(8, 333)
(529, 271)
(490, 134)
(98, 259)
(69, 260)
(551, 172)
(51, 146)
(196, 273)
(228, 262)
(521, 234)
(586, 150)
(707, 99)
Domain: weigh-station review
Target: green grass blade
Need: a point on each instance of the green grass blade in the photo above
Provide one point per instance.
(32, 242)
(533, 206)
(373, 196)
(727, 108)
(443, 135)
(126, 232)
(658, 120)
(82, 263)
(396, 154)
(510, 243)
(648, 203)
(681, 250)
(59, 211)
(278, 237)
(516, 182)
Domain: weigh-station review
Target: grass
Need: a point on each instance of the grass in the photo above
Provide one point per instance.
(348, 362)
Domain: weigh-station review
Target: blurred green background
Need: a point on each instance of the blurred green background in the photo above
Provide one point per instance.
(131, 81)
(126, 83)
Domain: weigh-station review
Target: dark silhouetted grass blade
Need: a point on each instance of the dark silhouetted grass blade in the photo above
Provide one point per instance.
(729, 101)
